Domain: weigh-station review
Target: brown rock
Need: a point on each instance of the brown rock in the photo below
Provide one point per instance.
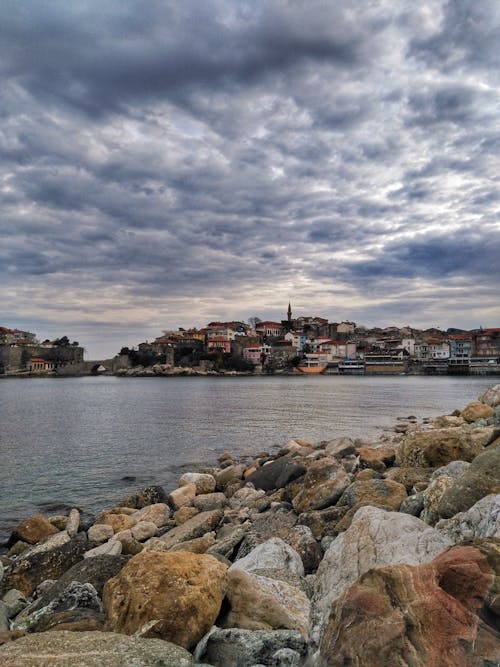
(117, 522)
(159, 514)
(438, 447)
(33, 530)
(173, 596)
(476, 410)
(10, 636)
(378, 459)
(380, 492)
(185, 513)
(199, 545)
(409, 477)
(424, 616)
(229, 475)
(149, 496)
(323, 484)
(182, 496)
(323, 522)
(302, 540)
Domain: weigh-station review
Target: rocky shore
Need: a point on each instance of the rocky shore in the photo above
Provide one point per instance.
(342, 552)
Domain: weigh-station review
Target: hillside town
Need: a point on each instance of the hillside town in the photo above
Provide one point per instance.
(303, 344)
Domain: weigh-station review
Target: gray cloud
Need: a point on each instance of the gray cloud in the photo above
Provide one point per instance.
(168, 163)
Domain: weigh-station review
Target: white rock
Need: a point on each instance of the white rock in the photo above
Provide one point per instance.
(73, 522)
(110, 548)
(375, 538)
(481, 520)
(53, 541)
(273, 554)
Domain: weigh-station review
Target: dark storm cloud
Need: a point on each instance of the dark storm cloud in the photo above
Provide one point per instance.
(151, 152)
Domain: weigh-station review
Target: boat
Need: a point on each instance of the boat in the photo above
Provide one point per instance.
(312, 370)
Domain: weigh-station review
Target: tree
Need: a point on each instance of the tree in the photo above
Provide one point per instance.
(253, 321)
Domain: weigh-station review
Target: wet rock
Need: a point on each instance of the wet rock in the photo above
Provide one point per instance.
(148, 496)
(323, 484)
(424, 615)
(173, 596)
(375, 538)
(33, 530)
(75, 596)
(249, 648)
(481, 478)
(276, 474)
(203, 482)
(27, 572)
(89, 649)
(262, 603)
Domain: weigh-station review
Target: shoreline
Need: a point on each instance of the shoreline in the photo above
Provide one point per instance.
(262, 538)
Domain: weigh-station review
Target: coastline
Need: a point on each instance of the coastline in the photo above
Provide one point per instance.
(262, 537)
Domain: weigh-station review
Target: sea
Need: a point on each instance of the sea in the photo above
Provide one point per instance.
(89, 442)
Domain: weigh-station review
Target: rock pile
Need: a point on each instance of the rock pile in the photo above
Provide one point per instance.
(330, 553)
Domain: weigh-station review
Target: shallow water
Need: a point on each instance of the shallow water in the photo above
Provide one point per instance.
(73, 440)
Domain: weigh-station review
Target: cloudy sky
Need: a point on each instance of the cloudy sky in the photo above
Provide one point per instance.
(167, 163)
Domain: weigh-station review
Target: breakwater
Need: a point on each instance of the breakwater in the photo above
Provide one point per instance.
(278, 559)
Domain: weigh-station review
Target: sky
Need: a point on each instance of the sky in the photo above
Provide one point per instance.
(167, 164)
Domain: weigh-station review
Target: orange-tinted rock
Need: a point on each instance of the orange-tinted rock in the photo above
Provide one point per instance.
(185, 513)
(476, 410)
(117, 522)
(438, 447)
(33, 530)
(424, 616)
(322, 486)
(378, 459)
(173, 596)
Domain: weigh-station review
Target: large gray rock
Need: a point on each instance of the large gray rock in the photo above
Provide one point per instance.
(323, 484)
(491, 396)
(481, 520)
(375, 538)
(274, 554)
(277, 474)
(92, 649)
(440, 446)
(265, 526)
(250, 648)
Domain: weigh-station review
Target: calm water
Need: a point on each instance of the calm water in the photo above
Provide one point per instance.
(73, 440)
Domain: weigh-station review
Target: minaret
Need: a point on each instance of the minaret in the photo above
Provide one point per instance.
(289, 312)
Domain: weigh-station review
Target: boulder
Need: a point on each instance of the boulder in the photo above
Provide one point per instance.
(322, 523)
(15, 602)
(340, 447)
(89, 649)
(185, 513)
(276, 474)
(197, 526)
(206, 502)
(437, 447)
(262, 603)
(249, 648)
(117, 522)
(172, 596)
(431, 497)
(374, 539)
(274, 554)
(148, 496)
(229, 475)
(33, 530)
(109, 548)
(159, 514)
(203, 482)
(75, 596)
(143, 530)
(229, 540)
(100, 532)
(373, 492)
(182, 496)
(301, 539)
(477, 410)
(29, 571)
(409, 477)
(481, 520)
(491, 396)
(377, 458)
(265, 526)
(199, 545)
(49, 543)
(481, 478)
(420, 615)
(323, 484)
